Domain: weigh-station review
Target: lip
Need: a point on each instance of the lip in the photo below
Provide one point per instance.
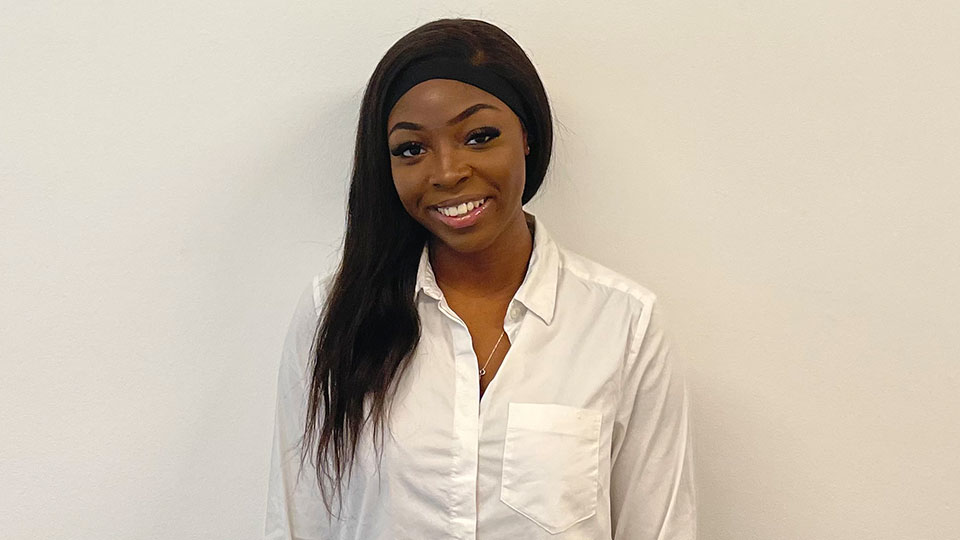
(465, 220)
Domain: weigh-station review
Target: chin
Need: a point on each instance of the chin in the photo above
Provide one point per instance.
(471, 242)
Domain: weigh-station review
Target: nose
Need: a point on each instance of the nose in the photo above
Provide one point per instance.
(452, 167)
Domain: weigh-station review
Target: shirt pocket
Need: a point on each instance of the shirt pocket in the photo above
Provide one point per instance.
(551, 462)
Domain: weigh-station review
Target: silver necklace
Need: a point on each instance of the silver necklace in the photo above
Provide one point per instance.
(483, 370)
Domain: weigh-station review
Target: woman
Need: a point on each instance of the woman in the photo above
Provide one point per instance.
(461, 375)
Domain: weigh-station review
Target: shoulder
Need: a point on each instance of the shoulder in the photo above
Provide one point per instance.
(320, 290)
(302, 332)
(612, 292)
(602, 279)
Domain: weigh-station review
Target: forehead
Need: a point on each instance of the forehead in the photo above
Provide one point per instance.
(438, 100)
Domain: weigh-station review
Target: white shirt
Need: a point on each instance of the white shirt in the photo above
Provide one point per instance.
(583, 433)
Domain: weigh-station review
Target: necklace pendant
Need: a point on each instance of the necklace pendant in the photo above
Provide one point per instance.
(483, 372)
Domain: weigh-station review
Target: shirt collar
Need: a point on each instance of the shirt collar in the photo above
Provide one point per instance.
(538, 292)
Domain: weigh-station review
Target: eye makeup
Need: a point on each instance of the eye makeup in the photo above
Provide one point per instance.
(489, 133)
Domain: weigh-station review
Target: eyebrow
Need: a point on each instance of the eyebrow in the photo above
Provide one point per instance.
(456, 119)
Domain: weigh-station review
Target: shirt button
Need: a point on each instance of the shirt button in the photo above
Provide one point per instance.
(515, 313)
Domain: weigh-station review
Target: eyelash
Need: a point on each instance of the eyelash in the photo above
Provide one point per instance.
(491, 133)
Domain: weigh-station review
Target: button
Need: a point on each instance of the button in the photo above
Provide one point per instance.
(515, 313)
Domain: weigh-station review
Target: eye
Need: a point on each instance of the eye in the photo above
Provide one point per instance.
(400, 150)
(487, 134)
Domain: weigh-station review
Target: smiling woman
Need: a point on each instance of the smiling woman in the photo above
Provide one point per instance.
(527, 391)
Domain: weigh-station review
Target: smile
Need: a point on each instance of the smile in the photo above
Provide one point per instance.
(463, 215)
(454, 211)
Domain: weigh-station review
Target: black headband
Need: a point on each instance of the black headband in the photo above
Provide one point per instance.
(459, 70)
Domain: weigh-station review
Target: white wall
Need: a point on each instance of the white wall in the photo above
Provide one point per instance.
(783, 175)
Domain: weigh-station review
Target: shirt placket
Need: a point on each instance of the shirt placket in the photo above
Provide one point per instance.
(466, 427)
(467, 419)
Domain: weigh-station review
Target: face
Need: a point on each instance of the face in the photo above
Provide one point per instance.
(453, 145)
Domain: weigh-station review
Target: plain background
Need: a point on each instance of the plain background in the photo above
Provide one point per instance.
(784, 175)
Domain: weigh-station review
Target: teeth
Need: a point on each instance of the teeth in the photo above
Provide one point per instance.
(454, 211)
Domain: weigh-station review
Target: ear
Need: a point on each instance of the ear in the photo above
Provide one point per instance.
(526, 145)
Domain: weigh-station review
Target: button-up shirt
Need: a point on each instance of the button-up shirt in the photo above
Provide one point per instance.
(583, 433)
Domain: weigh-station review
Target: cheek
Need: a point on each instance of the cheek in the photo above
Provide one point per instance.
(514, 167)
(405, 190)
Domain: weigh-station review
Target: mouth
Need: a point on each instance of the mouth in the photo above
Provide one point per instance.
(461, 216)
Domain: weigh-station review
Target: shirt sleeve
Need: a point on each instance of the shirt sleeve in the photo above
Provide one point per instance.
(295, 510)
(652, 491)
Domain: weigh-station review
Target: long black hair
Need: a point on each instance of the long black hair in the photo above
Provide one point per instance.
(369, 326)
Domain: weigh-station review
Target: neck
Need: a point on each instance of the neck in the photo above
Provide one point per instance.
(494, 272)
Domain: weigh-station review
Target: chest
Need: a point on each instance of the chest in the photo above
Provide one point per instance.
(575, 356)
(488, 336)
